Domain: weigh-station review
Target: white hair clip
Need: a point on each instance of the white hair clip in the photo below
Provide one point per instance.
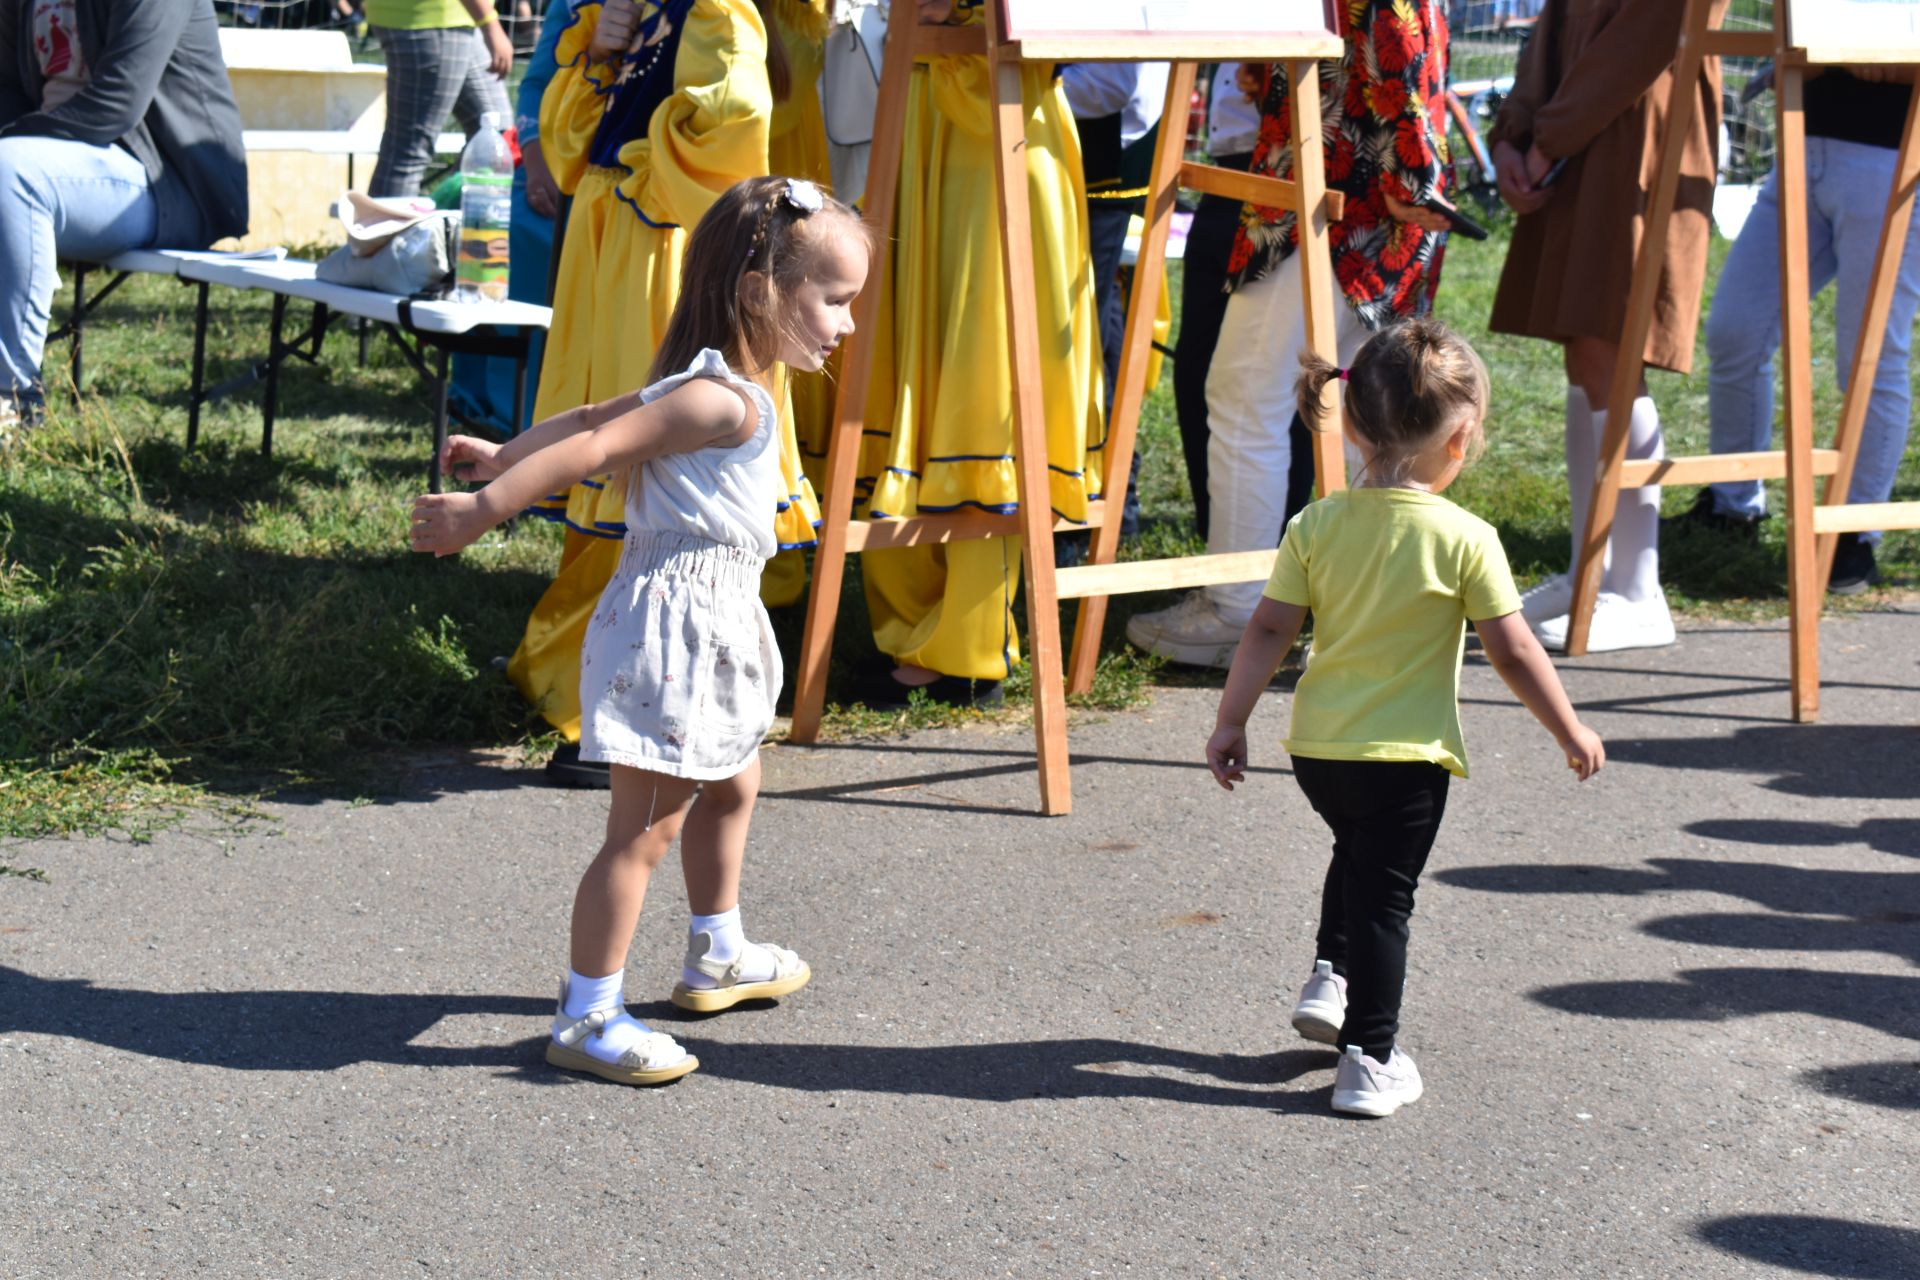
(805, 196)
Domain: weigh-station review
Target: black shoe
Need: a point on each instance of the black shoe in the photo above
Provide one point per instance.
(1854, 569)
(883, 693)
(1702, 517)
(567, 769)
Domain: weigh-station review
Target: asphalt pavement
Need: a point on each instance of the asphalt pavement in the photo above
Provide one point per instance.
(1667, 1019)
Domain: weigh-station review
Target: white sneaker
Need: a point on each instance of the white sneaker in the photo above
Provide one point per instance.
(1191, 633)
(1618, 623)
(1364, 1087)
(1322, 1006)
(1548, 598)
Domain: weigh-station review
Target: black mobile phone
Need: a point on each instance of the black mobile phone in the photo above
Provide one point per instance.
(1458, 221)
(1553, 173)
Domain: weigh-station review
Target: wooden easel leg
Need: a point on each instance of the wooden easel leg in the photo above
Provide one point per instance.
(1630, 365)
(1317, 287)
(1030, 435)
(850, 398)
(1796, 369)
(1873, 333)
(1134, 353)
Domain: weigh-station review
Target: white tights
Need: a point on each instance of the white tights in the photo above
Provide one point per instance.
(1633, 552)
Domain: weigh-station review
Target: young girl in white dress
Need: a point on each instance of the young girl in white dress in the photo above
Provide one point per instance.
(679, 671)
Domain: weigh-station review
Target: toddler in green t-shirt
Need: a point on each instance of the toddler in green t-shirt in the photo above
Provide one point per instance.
(1390, 570)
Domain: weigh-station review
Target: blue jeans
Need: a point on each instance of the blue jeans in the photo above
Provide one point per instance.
(58, 199)
(1847, 187)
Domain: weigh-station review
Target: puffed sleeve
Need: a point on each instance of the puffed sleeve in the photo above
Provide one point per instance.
(712, 130)
(540, 69)
(571, 107)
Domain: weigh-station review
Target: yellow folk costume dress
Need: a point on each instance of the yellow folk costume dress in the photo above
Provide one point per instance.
(939, 429)
(797, 148)
(644, 145)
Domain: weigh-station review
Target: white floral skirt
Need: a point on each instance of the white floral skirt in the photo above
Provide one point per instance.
(679, 670)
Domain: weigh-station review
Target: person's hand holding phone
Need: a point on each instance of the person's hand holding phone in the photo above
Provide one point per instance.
(1424, 218)
(1516, 188)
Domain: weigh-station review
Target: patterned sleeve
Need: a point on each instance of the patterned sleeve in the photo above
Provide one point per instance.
(570, 109)
(1397, 82)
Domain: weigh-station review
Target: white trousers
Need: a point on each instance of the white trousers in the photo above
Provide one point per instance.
(1250, 405)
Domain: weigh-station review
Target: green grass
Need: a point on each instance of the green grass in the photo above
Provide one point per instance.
(183, 630)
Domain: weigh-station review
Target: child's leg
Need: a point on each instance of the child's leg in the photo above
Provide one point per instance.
(1330, 942)
(592, 1031)
(721, 967)
(646, 815)
(1391, 813)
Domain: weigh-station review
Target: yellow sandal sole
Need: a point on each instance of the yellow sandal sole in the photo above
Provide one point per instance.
(574, 1060)
(705, 1000)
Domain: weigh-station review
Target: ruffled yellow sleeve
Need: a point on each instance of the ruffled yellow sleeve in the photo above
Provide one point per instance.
(712, 131)
(570, 109)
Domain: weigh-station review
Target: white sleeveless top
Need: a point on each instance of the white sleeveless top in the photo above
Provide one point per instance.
(726, 493)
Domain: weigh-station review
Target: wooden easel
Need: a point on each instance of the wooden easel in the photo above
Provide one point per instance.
(1811, 528)
(908, 42)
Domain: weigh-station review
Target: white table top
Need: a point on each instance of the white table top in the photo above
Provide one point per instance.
(294, 277)
(337, 142)
(167, 262)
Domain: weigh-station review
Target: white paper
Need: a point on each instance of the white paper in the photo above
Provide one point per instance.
(1106, 17)
(1889, 26)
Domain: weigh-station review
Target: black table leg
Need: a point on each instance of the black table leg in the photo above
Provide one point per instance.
(196, 396)
(441, 388)
(79, 325)
(276, 352)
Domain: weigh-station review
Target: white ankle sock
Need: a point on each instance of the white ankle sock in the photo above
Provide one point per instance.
(584, 996)
(1633, 560)
(726, 942)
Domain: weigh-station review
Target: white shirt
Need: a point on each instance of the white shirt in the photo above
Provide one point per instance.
(726, 493)
(1137, 90)
(1233, 121)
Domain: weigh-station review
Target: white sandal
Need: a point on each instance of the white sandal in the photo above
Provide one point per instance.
(656, 1059)
(790, 973)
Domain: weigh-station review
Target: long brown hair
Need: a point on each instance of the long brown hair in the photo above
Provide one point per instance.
(757, 225)
(1410, 384)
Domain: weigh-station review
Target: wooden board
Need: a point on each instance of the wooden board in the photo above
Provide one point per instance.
(1841, 31)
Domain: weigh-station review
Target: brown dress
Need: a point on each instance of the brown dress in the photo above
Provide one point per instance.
(1594, 85)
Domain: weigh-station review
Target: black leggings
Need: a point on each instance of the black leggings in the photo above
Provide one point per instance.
(1384, 815)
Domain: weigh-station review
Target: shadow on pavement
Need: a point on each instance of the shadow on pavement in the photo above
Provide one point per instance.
(1888, 835)
(1868, 897)
(328, 1030)
(1895, 1085)
(1881, 1002)
(1839, 761)
(1817, 1245)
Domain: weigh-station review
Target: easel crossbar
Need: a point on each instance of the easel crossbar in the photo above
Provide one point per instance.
(1712, 468)
(1162, 575)
(1254, 188)
(1859, 517)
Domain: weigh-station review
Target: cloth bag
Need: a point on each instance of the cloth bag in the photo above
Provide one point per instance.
(393, 246)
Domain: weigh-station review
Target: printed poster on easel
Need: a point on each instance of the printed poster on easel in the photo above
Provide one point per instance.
(1024, 20)
(1856, 30)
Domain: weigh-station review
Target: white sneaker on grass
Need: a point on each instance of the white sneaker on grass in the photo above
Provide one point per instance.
(1191, 633)
(1618, 623)
(1365, 1087)
(1322, 1006)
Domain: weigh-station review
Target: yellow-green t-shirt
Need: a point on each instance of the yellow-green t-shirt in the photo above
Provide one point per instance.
(417, 15)
(1391, 576)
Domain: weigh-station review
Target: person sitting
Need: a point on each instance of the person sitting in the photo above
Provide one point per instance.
(118, 131)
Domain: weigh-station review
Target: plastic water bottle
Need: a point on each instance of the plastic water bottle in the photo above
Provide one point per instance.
(486, 204)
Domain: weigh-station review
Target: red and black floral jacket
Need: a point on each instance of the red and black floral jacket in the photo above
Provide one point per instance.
(1385, 114)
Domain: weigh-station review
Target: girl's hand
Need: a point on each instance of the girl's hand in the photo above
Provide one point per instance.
(1425, 219)
(934, 13)
(1227, 755)
(466, 458)
(1510, 172)
(499, 49)
(615, 32)
(543, 193)
(1585, 752)
(1249, 78)
(445, 522)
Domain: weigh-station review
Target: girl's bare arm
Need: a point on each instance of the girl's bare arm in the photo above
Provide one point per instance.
(1523, 664)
